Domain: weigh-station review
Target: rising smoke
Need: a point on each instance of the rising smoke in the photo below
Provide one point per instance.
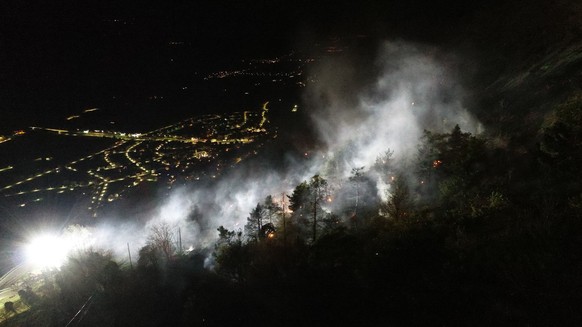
(413, 88)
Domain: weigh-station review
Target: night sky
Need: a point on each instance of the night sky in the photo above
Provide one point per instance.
(64, 55)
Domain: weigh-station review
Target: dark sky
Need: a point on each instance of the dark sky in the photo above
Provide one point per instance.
(56, 55)
(68, 20)
(61, 54)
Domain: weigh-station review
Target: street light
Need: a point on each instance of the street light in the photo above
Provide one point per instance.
(50, 250)
(47, 251)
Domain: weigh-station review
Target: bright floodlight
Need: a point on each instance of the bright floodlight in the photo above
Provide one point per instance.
(47, 251)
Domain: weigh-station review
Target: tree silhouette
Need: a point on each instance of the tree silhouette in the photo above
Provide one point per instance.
(272, 210)
(319, 193)
(161, 240)
(299, 199)
(399, 201)
(357, 179)
(451, 168)
(255, 222)
(384, 165)
(232, 256)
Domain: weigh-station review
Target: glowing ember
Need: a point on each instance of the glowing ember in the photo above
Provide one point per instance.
(436, 163)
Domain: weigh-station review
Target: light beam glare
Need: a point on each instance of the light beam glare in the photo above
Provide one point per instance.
(47, 251)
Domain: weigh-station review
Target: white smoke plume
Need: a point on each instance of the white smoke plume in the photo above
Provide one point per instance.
(413, 91)
(414, 88)
(193, 214)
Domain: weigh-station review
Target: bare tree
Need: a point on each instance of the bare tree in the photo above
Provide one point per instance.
(161, 240)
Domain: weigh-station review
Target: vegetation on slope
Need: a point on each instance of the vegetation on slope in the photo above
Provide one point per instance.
(465, 236)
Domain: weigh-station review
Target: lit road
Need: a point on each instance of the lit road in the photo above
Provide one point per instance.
(191, 149)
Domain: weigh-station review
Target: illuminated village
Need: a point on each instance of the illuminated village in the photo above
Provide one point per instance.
(193, 149)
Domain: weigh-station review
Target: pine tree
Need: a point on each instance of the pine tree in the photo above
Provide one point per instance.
(271, 209)
(306, 202)
(298, 200)
(399, 201)
(356, 179)
(255, 222)
(318, 193)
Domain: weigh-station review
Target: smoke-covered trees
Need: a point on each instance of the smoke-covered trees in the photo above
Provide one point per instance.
(255, 222)
(231, 254)
(272, 210)
(264, 214)
(319, 193)
(451, 167)
(449, 155)
(475, 243)
(445, 227)
(399, 203)
(384, 166)
(306, 203)
(161, 239)
(299, 198)
(357, 179)
(160, 246)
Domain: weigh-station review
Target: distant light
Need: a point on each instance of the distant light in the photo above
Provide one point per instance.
(47, 251)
